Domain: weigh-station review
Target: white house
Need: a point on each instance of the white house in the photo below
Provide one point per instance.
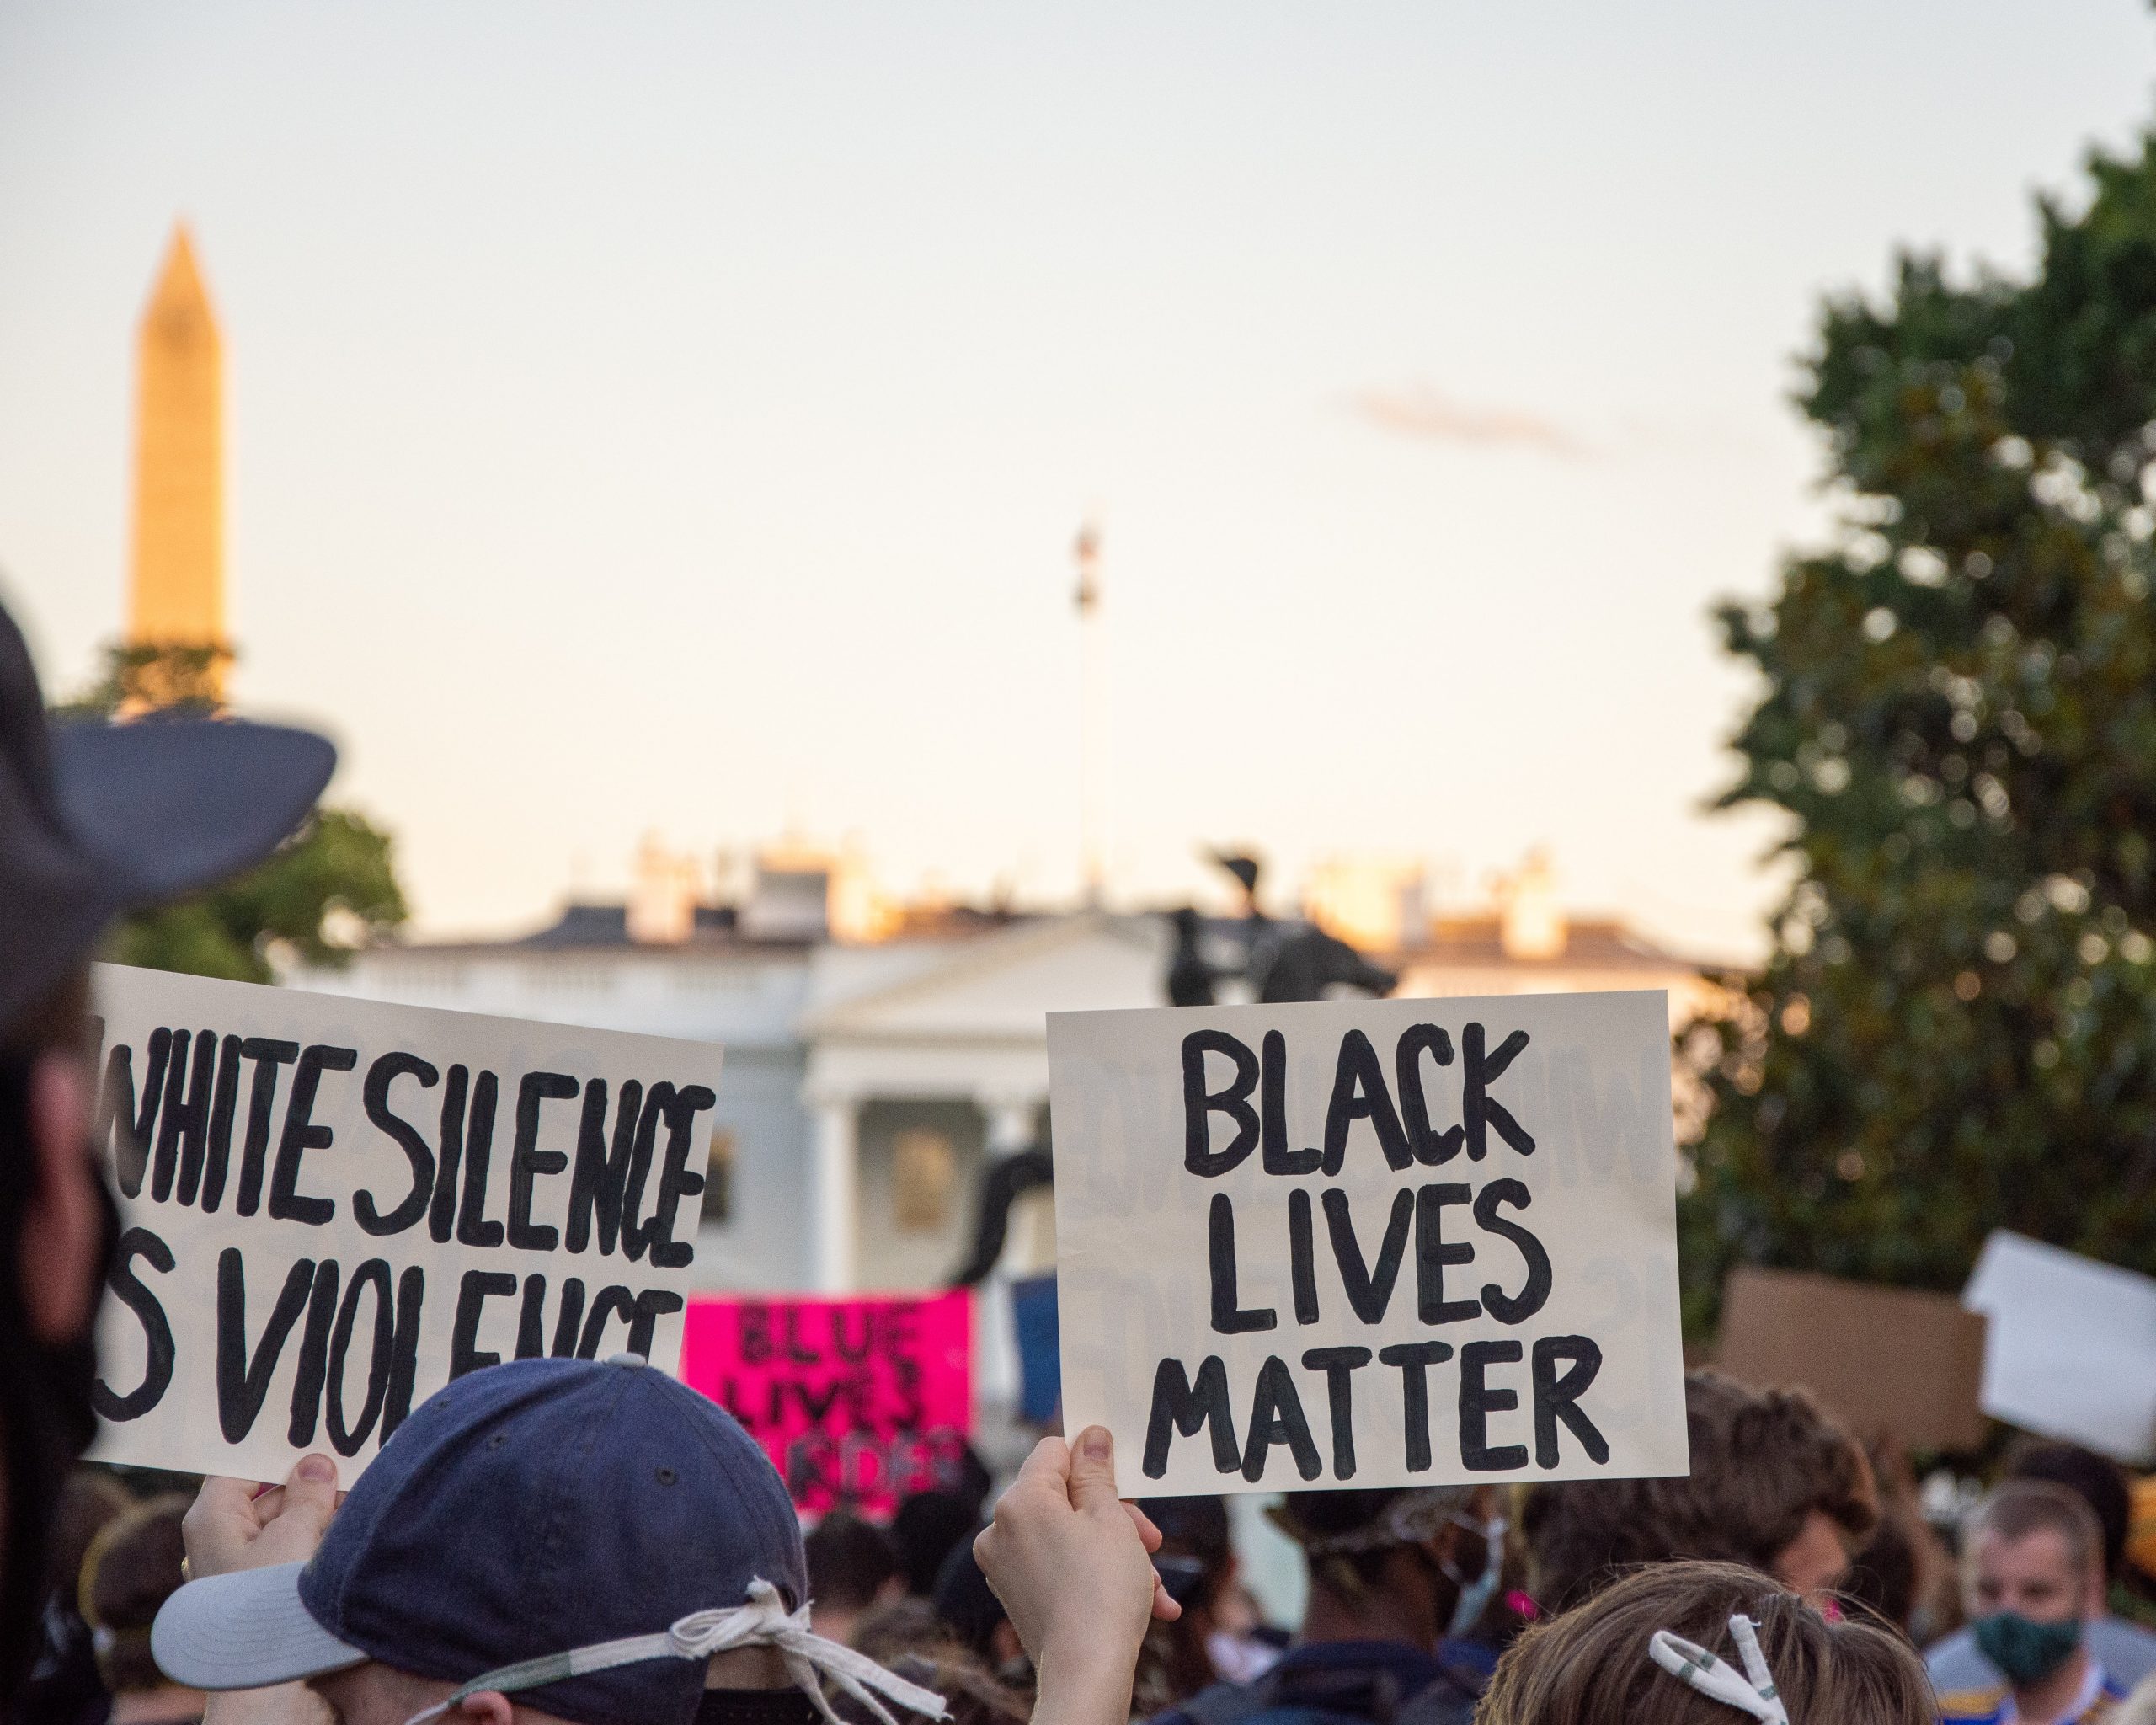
(868, 1084)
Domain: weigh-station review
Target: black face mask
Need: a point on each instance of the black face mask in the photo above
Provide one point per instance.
(757, 1706)
(47, 1416)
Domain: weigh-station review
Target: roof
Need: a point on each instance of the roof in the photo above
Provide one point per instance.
(1600, 943)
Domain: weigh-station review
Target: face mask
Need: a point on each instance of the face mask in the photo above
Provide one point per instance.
(2026, 1652)
(1475, 1594)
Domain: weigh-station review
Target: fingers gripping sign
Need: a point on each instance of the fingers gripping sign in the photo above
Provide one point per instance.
(1070, 1561)
(236, 1523)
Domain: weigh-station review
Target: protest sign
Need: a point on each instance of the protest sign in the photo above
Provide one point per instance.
(858, 1402)
(1388, 1242)
(2070, 1348)
(331, 1207)
(1896, 1362)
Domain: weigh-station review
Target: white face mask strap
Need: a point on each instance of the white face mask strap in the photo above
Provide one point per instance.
(762, 1621)
(1753, 1693)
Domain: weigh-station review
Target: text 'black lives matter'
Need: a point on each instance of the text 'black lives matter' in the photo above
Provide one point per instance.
(1416, 1232)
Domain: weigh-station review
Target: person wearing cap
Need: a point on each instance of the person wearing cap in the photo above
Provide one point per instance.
(541, 1539)
(95, 818)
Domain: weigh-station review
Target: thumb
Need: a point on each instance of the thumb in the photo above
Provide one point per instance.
(1092, 1470)
(310, 1493)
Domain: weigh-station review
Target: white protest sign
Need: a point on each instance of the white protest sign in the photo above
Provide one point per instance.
(1383, 1242)
(330, 1207)
(2069, 1346)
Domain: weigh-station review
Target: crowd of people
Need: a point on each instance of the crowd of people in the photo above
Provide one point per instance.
(591, 1542)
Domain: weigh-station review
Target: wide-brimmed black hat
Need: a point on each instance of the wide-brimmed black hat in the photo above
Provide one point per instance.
(96, 818)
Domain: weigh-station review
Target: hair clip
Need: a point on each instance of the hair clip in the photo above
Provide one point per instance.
(1753, 1693)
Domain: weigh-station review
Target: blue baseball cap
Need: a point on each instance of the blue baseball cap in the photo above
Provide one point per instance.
(522, 1511)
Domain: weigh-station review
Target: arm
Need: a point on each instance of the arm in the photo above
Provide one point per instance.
(237, 1525)
(1069, 1560)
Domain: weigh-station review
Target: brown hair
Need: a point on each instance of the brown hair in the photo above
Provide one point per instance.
(2022, 1507)
(88, 1499)
(908, 1638)
(133, 1567)
(1761, 1462)
(1590, 1666)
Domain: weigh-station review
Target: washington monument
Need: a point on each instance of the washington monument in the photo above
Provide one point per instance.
(176, 591)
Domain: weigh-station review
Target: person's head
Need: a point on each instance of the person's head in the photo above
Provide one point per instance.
(1592, 1665)
(95, 819)
(1196, 1558)
(907, 1637)
(2097, 1480)
(972, 1614)
(522, 1521)
(89, 1500)
(2032, 1576)
(131, 1568)
(1196, 1562)
(1774, 1484)
(1883, 1575)
(1405, 1564)
(852, 1566)
(927, 1528)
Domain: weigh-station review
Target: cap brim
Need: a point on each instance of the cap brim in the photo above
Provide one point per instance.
(244, 1630)
(168, 806)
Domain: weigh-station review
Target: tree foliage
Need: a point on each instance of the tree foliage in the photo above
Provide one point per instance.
(1956, 1028)
(328, 889)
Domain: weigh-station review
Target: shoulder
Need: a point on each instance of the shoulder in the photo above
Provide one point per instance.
(1973, 1706)
(1449, 1698)
(1218, 1704)
(2127, 1649)
(1955, 1663)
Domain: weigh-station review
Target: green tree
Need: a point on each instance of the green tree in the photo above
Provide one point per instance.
(328, 888)
(1956, 1028)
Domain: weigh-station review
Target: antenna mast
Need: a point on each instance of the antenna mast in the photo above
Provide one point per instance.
(1092, 750)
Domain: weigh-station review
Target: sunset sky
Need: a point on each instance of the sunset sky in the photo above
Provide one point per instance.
(676, 417)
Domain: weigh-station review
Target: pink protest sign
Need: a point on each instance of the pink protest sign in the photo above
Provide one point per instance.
(856, 1402)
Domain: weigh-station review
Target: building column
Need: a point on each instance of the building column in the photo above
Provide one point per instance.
(833, 1196)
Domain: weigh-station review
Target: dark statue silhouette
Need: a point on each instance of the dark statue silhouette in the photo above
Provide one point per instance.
(1279, 961)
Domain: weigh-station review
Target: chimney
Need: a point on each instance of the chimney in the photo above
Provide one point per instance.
(792, 897)
(662, 909)
(1532, 926)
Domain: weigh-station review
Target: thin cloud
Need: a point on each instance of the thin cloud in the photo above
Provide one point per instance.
(1422, 412)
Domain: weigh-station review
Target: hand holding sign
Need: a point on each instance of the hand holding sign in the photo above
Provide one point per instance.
(1070, 1563)
(1456, 1218)
(238, 1524)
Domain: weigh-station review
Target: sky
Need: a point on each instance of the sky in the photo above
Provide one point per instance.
(675, 418)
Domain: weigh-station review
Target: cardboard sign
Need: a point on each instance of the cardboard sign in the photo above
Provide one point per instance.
(1383, 1242)
(2071, 1347)
(1891, 1361)
(858, 1402)
(332, 1206)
